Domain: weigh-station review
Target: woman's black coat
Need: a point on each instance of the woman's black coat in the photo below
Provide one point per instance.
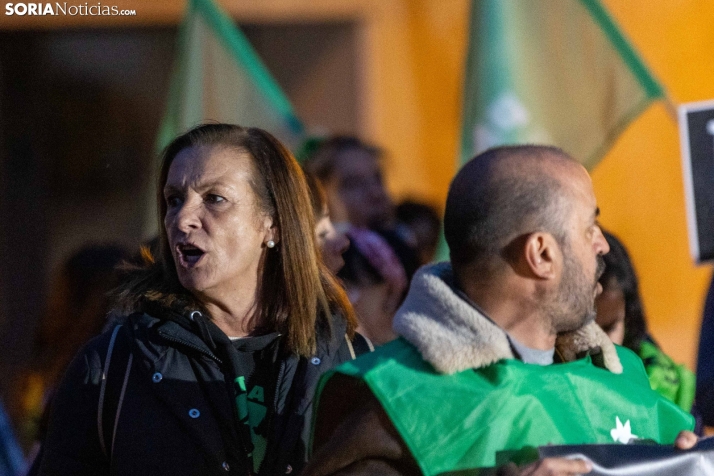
(174, 407)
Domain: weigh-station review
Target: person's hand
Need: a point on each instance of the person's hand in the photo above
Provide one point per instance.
(557, 467)
(685, 440)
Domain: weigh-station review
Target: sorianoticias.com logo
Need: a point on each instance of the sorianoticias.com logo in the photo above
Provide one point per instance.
(62, 8)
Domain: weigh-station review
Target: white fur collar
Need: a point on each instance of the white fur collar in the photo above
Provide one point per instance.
(453, 336)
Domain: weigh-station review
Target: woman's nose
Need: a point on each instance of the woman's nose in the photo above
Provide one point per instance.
(188, 217)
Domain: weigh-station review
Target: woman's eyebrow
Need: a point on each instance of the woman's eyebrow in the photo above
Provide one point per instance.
(171, 188)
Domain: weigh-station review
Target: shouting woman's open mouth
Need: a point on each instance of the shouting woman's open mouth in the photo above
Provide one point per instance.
(189, 254)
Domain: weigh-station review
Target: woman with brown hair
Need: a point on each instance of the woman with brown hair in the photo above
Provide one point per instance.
(231, 327)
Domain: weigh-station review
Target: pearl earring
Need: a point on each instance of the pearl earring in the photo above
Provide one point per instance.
(270, 244)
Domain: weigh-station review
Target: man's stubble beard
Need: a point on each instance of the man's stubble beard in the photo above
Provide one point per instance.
(573, 305)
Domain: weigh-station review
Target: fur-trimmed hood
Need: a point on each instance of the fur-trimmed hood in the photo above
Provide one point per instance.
(452, 335)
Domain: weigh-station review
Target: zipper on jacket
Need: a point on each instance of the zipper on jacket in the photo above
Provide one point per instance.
(191, 346)
(281, 377)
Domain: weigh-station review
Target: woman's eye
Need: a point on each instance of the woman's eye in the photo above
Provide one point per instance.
(213, 198)
(173, 201)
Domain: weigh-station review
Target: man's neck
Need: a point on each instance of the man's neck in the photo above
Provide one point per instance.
(529, 330)
(521, 319)
(529, 355)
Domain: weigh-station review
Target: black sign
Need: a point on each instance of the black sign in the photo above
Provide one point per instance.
(696, 130)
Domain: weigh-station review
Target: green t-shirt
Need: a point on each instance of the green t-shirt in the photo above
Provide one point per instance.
(257, 363)
(673, 381)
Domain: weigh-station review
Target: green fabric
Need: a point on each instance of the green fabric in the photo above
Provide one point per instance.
(556, 72)
(634, 63)
(673, 381)
(219, 77)
(501, 413)
(550, 71)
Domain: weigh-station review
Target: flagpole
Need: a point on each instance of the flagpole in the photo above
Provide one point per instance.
(670, 107)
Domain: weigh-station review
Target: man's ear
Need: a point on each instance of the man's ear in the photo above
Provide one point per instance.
(542, 254)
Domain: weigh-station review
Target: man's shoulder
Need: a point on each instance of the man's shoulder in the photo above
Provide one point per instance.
(632, 363)
(395, 354)
(390, 365)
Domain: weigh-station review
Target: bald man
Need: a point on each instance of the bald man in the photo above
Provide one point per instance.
(498, 350)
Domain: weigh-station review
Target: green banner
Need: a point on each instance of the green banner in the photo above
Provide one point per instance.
(553, 72)
(556, 72)
(219, 77)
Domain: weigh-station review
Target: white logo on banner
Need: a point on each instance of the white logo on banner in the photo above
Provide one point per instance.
(622, 433)
(506, 116)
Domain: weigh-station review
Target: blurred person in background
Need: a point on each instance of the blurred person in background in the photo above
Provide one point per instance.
(376, 283)
(621, 315)
(351, 172)
(215, 369)
(76, 311)
(332, 243)
(372, 274)
(421, 223)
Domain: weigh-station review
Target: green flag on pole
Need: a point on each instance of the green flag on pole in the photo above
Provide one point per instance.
(553, 72)
(218, 76)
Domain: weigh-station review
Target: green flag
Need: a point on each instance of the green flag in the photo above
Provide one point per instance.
(218, 77)
(553, 72)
